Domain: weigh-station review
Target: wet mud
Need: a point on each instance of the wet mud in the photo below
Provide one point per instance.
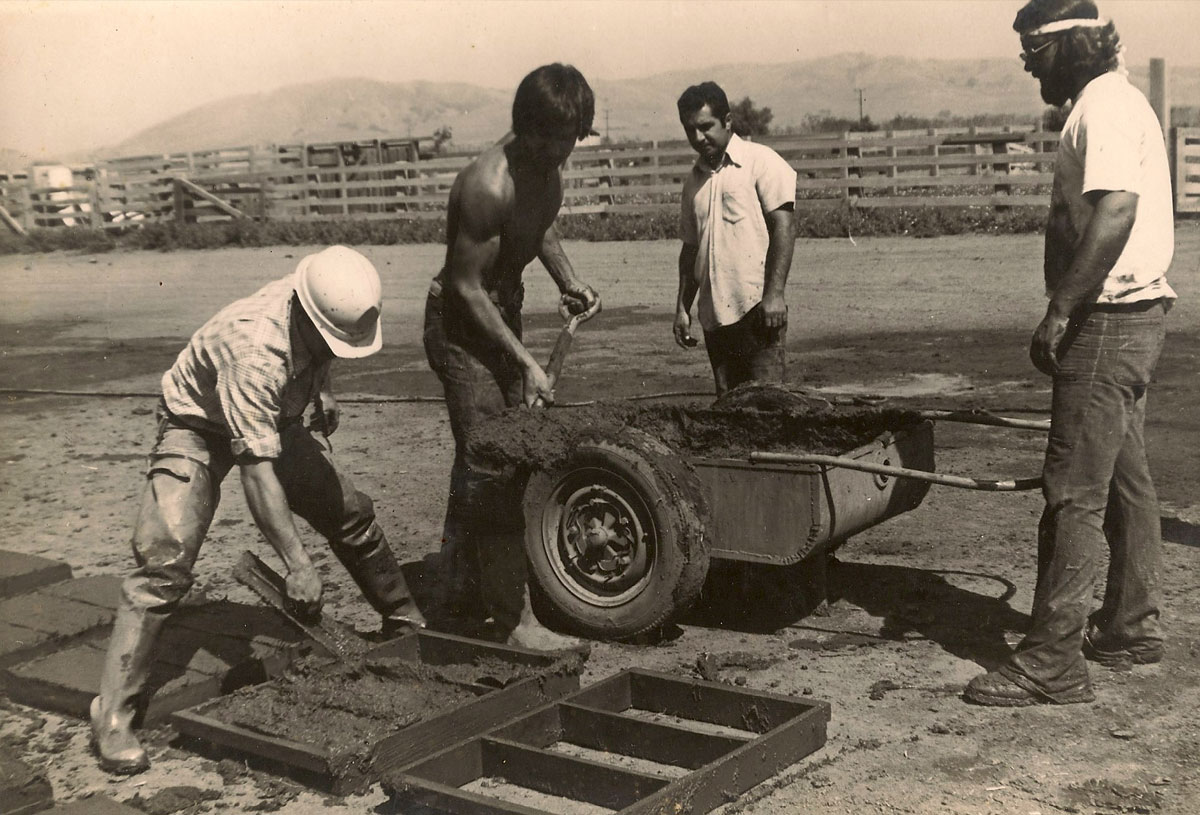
(345, 708)
(745, 421)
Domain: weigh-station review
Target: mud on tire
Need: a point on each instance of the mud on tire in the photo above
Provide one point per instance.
(616, 537)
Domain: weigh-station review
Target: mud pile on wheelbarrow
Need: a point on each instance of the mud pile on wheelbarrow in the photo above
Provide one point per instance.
(749, 419)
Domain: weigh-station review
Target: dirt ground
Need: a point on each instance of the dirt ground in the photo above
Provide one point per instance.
(920, 603)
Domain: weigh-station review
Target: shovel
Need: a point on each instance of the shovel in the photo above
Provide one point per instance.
(563, 344)
(267, 584)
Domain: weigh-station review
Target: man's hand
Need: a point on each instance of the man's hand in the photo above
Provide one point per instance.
(580, 298)
(1043, 348)
(536, 384)
(774, 311)
(326, 414)
(304, 591)
(683, 330)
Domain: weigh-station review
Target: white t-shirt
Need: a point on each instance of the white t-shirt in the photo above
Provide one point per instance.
(724, 215)
(1113, 141)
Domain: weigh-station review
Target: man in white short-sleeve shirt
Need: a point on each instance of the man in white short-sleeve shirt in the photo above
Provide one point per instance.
(1109, 242)
(737, 231)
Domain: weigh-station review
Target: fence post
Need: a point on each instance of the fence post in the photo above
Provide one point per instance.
(1001, 148)
(1160, 97)
(180, 202)
(934, 151)
(97, 216)
(849, 152)
(27, 214)
(893, 190)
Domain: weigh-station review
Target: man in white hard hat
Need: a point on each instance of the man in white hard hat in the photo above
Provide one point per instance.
(237, 395)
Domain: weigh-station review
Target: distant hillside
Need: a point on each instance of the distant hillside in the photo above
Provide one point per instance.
(634, 108)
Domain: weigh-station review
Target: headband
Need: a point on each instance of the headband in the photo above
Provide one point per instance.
(1063, 25)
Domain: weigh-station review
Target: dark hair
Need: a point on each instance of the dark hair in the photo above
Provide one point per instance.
(1037, 13)
(1085, 52)
(706, 93)
(551, 97)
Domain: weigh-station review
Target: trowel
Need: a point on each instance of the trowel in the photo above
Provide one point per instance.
(267, 584)
(563, 344)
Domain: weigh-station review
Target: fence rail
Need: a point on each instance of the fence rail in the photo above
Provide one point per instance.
(387, 179)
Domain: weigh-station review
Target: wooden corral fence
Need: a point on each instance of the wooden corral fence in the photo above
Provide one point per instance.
(1186, 160)
(388, 179)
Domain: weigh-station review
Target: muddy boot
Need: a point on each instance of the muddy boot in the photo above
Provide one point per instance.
(126, 669)
(378, 575)
(506, 591)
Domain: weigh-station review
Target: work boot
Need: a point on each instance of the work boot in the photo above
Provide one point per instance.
(378, 575)
(504, 579)
(126, 669)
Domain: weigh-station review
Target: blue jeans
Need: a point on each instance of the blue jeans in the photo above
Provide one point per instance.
(1098, 489)
(483, 556)
(746, 351)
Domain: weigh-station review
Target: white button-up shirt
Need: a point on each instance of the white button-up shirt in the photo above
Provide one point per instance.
(723, 214)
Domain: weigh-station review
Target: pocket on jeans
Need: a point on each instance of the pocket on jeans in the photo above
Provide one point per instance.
(1119, 349)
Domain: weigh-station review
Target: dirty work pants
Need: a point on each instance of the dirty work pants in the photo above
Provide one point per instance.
(183, 487)
(484, 525)
(1098, 489)
(746, 351)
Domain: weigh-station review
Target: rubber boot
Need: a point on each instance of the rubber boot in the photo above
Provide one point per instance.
(378, 575)
(504, 580)
(126, 669)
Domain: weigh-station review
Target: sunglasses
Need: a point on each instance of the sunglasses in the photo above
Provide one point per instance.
(1029, 52)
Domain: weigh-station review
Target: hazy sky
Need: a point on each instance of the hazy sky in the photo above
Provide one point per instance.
(84, 73)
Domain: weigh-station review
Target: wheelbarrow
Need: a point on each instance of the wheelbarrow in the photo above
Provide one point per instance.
(620, 538)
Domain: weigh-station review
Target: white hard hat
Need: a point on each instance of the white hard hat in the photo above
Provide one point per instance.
(340, 291)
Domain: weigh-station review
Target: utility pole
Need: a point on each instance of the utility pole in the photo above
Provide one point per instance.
(860, 105)
(607, 140)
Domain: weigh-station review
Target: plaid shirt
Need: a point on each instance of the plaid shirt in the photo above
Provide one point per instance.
(246, 373)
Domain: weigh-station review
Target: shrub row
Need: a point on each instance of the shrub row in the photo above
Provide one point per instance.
(834, 222)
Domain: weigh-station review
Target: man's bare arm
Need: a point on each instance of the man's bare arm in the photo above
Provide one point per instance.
(688, 286)
(782, 242)
(1102, 243)
(268, 505)
(481, 216)
(579, 296)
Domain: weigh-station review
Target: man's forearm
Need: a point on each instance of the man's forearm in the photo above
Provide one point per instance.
(1103, 241)
(268, 505)
(486, 315)
(781, 245)
(557, 263)
(688, 285)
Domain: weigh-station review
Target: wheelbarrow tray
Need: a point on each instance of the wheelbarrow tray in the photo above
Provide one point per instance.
(320, 768)
(780, 513)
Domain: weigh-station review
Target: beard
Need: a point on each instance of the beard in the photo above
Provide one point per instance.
(1056, 89)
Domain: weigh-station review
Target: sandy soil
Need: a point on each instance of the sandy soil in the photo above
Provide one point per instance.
(921, 603)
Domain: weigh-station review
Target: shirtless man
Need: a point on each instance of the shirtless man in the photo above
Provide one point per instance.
(501, 216)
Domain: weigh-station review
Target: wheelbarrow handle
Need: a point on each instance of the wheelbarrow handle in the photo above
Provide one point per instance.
(1005, 485)
(985, 418)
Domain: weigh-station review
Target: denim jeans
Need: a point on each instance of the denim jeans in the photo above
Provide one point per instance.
(1098, 489)
(746, 351)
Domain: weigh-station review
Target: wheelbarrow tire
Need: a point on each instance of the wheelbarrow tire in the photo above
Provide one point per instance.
(616, 537)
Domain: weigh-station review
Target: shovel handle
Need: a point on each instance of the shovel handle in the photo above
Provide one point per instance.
(563, 344)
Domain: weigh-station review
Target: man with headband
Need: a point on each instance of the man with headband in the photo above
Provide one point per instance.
(1109, 242)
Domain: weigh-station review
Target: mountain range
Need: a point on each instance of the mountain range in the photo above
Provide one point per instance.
(641, 108)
